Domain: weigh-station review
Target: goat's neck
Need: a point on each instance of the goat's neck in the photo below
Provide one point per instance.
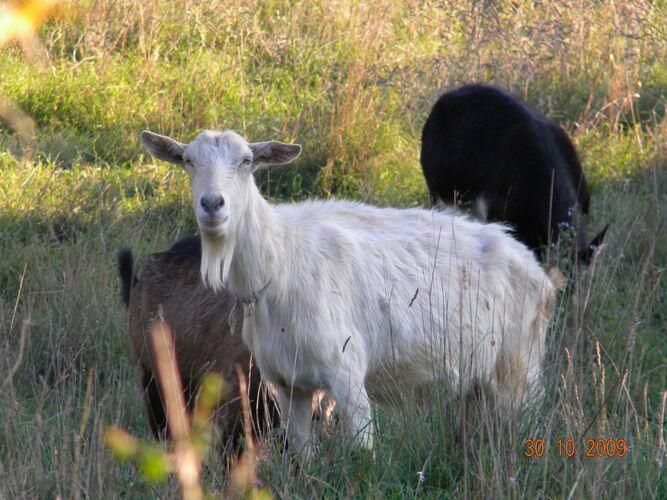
(259, 243)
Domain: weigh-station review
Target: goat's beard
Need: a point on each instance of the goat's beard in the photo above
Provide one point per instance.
(216, 257)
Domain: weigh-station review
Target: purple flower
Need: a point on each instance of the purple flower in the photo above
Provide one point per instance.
(256, 481)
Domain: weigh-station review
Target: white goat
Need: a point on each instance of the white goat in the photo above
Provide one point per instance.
(358, 300)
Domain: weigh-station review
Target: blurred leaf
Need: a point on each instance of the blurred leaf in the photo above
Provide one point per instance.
(153, 464)
(122, 444)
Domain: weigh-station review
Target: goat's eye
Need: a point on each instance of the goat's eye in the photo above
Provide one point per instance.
(187, 163)
(246, 161)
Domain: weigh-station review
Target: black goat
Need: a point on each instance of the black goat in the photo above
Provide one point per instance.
(487, 149)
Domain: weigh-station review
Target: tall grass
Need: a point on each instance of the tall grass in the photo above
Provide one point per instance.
(352, 82)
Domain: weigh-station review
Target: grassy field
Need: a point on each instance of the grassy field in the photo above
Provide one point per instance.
(353, 83)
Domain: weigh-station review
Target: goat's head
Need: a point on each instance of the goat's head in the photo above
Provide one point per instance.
(220, 165)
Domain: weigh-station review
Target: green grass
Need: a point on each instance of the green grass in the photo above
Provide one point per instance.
(353, 84)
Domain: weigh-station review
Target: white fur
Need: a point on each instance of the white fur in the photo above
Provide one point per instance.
(358, 300)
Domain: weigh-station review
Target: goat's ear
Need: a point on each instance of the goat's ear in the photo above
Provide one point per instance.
(273, 153)
(163, 147)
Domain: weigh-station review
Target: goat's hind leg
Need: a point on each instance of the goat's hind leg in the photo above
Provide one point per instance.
(515, 383)
(517, 375)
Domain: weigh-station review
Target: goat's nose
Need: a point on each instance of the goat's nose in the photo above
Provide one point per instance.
(211, 203)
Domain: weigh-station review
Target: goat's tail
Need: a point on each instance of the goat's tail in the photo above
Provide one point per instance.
(127, 277)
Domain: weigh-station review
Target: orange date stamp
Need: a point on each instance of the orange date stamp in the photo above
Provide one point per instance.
(568, 448)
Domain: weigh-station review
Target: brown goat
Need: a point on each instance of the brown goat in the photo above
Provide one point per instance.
(200, 324)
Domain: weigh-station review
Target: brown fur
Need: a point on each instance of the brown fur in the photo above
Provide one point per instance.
(200, 323)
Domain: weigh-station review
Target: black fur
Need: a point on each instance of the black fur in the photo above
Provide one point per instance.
(184, 251)
(157, 417)
(127, 277)
(480, 141)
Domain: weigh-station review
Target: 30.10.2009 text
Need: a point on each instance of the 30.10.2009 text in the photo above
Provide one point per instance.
(594, 448)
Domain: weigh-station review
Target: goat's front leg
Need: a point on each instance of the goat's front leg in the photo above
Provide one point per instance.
(295, 417)
(354, 407)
